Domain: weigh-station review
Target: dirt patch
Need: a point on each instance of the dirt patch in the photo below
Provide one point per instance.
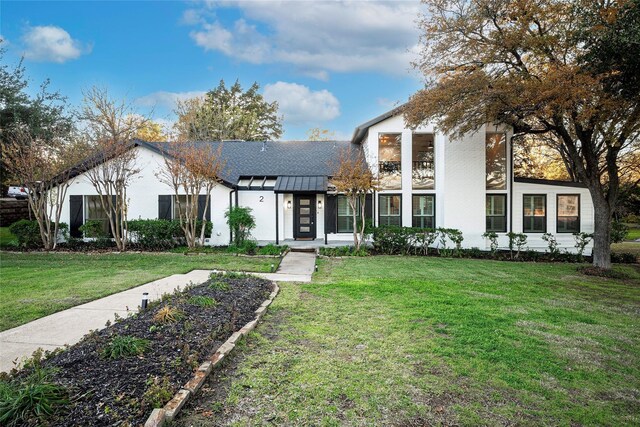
(106, 391)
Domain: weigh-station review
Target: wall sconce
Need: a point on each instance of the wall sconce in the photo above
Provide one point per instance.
(319, 204)
(288, 204)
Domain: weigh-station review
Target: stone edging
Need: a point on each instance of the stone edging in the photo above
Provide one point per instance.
(166, 414)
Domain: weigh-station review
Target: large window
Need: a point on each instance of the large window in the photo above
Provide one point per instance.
(496, 158)
(497, 212)
(568, 213)
(94, 212)
(389, 165)
(535, 213)
(423, 164)
(390, 210)
(424, 211)
(345, 215)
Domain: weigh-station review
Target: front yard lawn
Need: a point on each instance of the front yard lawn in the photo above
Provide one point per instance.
(33, 285)
(410, 341)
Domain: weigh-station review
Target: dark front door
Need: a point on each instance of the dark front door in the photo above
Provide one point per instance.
(304, 217)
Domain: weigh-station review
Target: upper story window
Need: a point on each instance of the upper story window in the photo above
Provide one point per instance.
(389, 165)
(535, 213)
(568, 213)
(496, 161)
(423, 161)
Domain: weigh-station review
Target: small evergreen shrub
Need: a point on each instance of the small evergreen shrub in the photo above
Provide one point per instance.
(272, 249)
(344, 251)
(619, 232)
(241, 222)
(159, 392)
(517, 241)
(552, 244)
(159, 234)
(492, 236)
(124, 346)
(624, 258)
(27, 233)
(218, 285)
(92, 229)
(582, 240)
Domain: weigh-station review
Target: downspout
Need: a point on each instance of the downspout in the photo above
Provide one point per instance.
(277, 221)
(231, 206)
(511, 178)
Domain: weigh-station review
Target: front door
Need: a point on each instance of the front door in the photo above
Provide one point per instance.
(304, 217)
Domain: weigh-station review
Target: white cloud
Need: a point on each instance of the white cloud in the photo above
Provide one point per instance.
(166, 99)
(316, 37)
(300, 105)
(51, 44)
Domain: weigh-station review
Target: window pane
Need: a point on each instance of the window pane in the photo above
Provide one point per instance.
(423, 165)
(95, 212)
(496, 161)
(345, 215)
(183, 206)
(390, 210)
(389, 155)
(497, 213)
(567, 205)
(423, 209)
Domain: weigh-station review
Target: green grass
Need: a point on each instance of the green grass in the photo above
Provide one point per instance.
(33, 285)
(428, 341)
(5, 236)
(634, 233)
(628, 247)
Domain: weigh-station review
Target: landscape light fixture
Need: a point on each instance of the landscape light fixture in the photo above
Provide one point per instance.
(145, 300)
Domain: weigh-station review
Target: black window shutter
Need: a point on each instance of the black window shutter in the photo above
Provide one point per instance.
(368, 206)
(331, 218)
(164, 207)
(75, 219)
(201, 202)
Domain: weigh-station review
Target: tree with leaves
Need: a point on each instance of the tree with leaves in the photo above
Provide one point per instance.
(191, 170)
(110, 126)
(151, 131)
(563, 68)
(352, 177)
(44, 115)
(44, 167)
(229, 114)
(319, 134)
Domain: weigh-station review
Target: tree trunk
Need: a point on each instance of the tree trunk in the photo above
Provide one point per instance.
(602, 233)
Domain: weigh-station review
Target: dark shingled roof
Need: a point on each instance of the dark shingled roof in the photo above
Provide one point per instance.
(301, 184)
(275, 158)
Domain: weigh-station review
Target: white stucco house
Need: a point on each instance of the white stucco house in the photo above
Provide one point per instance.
(427, 180)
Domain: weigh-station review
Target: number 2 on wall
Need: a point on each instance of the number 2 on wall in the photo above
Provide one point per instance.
(261, 199)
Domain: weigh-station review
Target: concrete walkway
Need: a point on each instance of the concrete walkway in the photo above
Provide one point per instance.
(69, 326)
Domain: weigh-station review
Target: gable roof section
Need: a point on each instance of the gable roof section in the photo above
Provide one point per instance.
(274, 158)
(361, 131)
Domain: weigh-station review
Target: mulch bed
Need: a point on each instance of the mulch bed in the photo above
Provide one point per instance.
(105, 392)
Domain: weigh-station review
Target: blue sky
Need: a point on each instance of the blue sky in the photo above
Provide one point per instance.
(332, 65)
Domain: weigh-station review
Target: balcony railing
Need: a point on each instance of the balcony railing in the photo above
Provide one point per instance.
(422, 174)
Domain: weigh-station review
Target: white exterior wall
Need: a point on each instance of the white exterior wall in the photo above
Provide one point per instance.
(565, 240)
(460, 186)
(143, 195)
(263, 204)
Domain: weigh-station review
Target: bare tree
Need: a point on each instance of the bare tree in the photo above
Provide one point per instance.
(110, 126)
(45, 168)
(191, 170)
(352, 177)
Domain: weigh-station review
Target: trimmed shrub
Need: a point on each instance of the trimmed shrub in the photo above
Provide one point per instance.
(158, 234)
(344, 251)
(272, 249)
(27, 232)
(624, 258)
(92, 229)
(247, 247)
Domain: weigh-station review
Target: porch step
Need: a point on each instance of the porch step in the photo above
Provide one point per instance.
(302, 249)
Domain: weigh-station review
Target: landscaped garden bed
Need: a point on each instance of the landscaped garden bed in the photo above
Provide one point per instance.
(119, 374)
